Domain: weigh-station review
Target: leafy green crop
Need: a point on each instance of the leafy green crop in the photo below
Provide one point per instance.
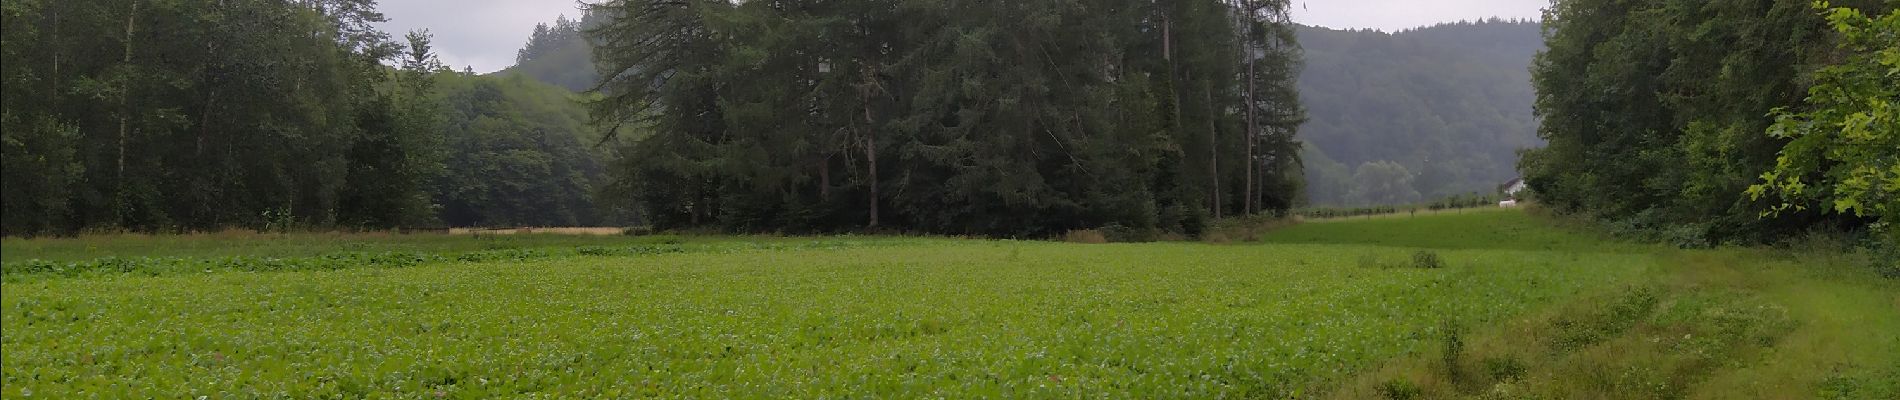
(826, 318)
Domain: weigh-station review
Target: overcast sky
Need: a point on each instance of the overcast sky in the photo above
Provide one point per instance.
(486, 33)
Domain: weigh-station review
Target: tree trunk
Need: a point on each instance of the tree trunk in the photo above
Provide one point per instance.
(125, 94)
(1213, 149)
(1167, 40)
(870, 153)
(824, 178)
(204, 121)
(1253, 138)
(870, 141)
(53, 80)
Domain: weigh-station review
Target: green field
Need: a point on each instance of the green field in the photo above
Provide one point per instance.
(1334, 309)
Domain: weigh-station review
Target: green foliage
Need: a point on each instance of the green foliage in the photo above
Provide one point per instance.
(41, 168)
(1424, 259)
(1841, 152)
(306, 315)
(520, 153)
(177, 116)
(1492, 229)
(35, 269)
(1026, 118)
(1654, 111)
(773, 317)
(1732, 323)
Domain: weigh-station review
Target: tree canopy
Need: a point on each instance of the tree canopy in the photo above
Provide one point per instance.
(158, 115)
(521, 153)
(1657, 114)
(997, 118)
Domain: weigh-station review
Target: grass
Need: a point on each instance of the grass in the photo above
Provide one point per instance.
(1705, 324)
(249, 244)
(1538, 310)
(1503, 229)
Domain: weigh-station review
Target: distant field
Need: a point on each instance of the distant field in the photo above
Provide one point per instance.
(1317, 310)
(531, 231)
(13, 250)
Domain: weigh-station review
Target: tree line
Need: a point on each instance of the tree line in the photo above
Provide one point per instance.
(174, 116)
(151, 115)
(1015, 118)
(1711, 122)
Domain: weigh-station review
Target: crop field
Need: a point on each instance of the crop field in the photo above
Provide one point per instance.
(1445, 306)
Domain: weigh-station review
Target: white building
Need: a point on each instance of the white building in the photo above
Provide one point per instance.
(1512, 188)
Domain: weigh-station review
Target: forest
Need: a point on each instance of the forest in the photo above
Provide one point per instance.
(1395, 118)
(793, 116)
(1733, 122)
(1020, 199)
(1022, 118)
(196, 116)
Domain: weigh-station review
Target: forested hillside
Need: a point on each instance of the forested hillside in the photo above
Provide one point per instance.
(1416, 115)
(1727, 122)
(998, 118)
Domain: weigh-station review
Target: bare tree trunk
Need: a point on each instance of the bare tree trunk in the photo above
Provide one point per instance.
(1167, 40)
(824, 178)
(53, 79)
(870, 150)
(870, 146)
(1213, 148)
(1253, 138)
(125, 93)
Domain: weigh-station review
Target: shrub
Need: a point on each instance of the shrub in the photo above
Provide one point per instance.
(1427, 260)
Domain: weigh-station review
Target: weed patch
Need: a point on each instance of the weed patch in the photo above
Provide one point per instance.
(1426, 259)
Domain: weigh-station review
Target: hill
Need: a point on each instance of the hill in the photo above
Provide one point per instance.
(1451, 104)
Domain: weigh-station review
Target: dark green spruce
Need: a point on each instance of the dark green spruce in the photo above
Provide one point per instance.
(1016, 118)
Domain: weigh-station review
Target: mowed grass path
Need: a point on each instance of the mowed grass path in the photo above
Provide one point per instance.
(1294, 317)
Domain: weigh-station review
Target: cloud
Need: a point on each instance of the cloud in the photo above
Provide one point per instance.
(1395, 15)
(485, 34)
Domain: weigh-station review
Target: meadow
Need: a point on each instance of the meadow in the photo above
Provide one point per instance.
(1508, 306)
